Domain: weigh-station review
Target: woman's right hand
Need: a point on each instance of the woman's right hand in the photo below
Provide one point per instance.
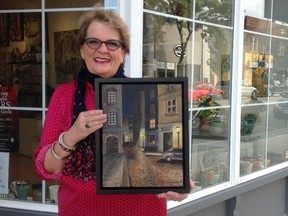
(86, 123)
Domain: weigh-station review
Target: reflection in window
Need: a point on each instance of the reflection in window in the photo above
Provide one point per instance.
(281, 49)
(167, 51)
(254, 44)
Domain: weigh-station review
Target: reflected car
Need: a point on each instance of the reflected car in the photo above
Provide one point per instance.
(173, 154)
(276, 87)
(280, 110)
(201, 89)
(246, 89)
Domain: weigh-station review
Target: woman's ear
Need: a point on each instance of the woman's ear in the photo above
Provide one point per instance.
(81, 50)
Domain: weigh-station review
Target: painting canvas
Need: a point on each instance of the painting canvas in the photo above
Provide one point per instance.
(143, 146)
(67, 59)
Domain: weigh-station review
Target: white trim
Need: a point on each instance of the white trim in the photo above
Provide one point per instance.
(132, 13)
(263, 172)
(200, 194)
(31, 206)
(236, 76)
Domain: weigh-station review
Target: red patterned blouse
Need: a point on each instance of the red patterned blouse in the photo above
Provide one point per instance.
(74, 196)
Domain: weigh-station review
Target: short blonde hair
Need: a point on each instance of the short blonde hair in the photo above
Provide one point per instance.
(110, 18)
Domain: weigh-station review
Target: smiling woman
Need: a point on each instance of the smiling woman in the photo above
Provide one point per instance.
(67, 146)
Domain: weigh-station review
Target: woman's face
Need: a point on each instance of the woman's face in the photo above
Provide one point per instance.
(102, 61)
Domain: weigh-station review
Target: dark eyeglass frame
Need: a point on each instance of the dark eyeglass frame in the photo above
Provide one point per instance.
(107, 43)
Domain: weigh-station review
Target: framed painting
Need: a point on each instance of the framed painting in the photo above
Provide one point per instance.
(67, 59)
(143, 147)
(16, 26)
(4, 30)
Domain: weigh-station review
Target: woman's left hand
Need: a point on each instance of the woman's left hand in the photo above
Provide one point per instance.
(174, 196)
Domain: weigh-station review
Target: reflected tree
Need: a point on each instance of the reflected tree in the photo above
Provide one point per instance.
(214, 11)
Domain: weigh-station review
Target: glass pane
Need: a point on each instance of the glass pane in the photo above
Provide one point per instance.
(20, 54)
(168, 52)
(278, 10)
(18, 142)
(72, 4)
(263, 118)
(209, 97)
(258, 8)
(64, 59)
(280, 29)
(255, 91)
(258, 71)
(278, 126)
(212, 63)
(174, 7)
(260, 25)
(20, 4)
(166, 47)
(220, 12)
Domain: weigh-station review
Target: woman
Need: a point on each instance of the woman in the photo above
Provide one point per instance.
(66, 149)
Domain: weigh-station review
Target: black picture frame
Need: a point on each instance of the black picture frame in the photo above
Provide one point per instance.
(146, 117)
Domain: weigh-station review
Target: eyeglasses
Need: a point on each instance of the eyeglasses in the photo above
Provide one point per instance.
(95, 43)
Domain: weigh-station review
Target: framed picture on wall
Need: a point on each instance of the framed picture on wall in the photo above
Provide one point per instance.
(67, 59)
(143, 146)
(16, 26)
(4, 30)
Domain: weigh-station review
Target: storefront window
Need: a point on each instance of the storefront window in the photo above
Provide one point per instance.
(168, 49)
(30, 69)
(263, 118)
(188, 38)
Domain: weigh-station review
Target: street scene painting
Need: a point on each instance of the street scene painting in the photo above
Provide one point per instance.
(143, 146)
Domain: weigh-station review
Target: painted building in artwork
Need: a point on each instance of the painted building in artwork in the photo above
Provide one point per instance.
(113, 130)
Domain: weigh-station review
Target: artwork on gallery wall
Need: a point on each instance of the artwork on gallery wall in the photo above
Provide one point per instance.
(32, 32)
(5, 67)
(16, 27)
(4, 30)
(143, 147)
(67, 57)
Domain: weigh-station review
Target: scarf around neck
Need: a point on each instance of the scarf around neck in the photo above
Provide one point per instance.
(80, 164)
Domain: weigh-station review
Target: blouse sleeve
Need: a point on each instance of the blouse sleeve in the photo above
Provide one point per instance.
(58, 119)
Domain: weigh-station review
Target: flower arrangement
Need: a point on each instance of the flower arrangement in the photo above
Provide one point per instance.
(206, 101)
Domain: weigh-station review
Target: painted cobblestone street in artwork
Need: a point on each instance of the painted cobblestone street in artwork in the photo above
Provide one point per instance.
(136, 169)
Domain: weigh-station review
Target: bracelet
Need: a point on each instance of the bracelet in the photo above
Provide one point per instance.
(53, 152)
(63, 145)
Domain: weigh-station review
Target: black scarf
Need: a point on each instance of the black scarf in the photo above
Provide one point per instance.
(81, 163)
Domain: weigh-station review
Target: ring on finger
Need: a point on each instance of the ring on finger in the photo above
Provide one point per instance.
(87, 125)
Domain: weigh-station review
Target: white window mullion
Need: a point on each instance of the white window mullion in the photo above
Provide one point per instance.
(132, 13)
(238, 39)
